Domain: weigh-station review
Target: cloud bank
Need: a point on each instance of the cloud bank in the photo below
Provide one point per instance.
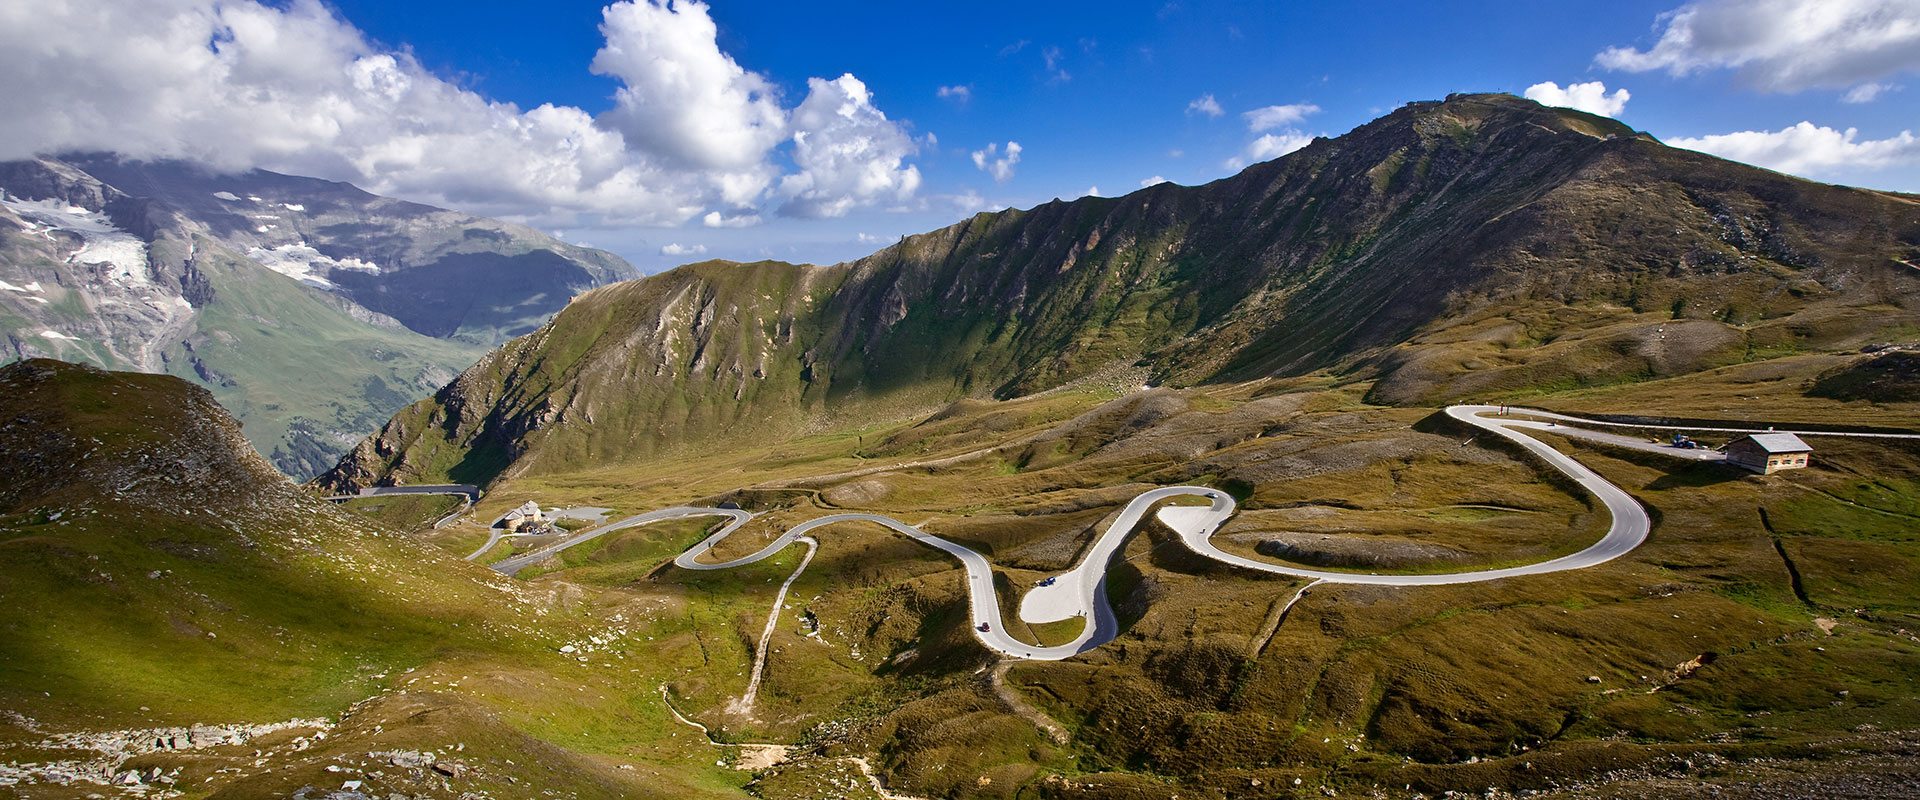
(1782, 45)
(1808, 149)
(848, 152)
(238, 84)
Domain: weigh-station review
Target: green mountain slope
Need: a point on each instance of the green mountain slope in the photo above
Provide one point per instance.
(302, 371)
(161, 577)
(1481, 245)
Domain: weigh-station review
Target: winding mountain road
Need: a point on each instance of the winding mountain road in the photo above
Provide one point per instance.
(1534, 412)
(1081, 590)
(1628, 528)
(467, 490)
(513, 565)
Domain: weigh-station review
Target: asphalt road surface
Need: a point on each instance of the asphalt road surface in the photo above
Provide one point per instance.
(513, 565)
(1081, 590)
(471, 492)
(1534, 412)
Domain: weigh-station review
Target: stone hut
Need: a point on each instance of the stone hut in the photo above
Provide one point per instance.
(1768, 453)
(528, 515)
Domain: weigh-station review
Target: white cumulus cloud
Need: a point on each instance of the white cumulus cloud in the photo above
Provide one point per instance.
(1266, 119)
(1590, 97)
(678, 249)
(1275, 145)
(1205, 104)
(848, 152)
(684, 97)
(1808, 149)
(1153, 181)
(996, 162)
(238, 84)
(1782, 45)
(959, 94)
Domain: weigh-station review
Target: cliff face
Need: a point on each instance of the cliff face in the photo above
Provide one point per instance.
(1479, 245)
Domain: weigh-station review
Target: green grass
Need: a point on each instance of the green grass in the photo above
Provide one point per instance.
(625, 556)
(305, 373)
(406, 512)
(1048, 634)
(1438, 686)
(307, 632)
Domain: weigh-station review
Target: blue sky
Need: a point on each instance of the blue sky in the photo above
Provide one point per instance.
(1103, 95)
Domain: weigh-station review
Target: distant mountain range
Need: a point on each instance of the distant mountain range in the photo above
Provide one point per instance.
(312, 309)
(1481, 246)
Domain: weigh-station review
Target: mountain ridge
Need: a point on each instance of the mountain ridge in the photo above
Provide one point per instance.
(1421, 251)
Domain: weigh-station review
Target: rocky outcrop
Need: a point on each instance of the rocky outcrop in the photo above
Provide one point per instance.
(146, 441)
(98, 757)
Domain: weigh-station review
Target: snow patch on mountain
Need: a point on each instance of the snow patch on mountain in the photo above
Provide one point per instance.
(124, 253)
(301, 262)
(227, 196)
(102, 243)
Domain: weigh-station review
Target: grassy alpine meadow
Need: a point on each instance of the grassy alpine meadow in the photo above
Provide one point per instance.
(406, 512)
(1765, 616)
(182, 616)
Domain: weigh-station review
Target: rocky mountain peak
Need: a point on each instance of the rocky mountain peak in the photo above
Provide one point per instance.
(1448, 249)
